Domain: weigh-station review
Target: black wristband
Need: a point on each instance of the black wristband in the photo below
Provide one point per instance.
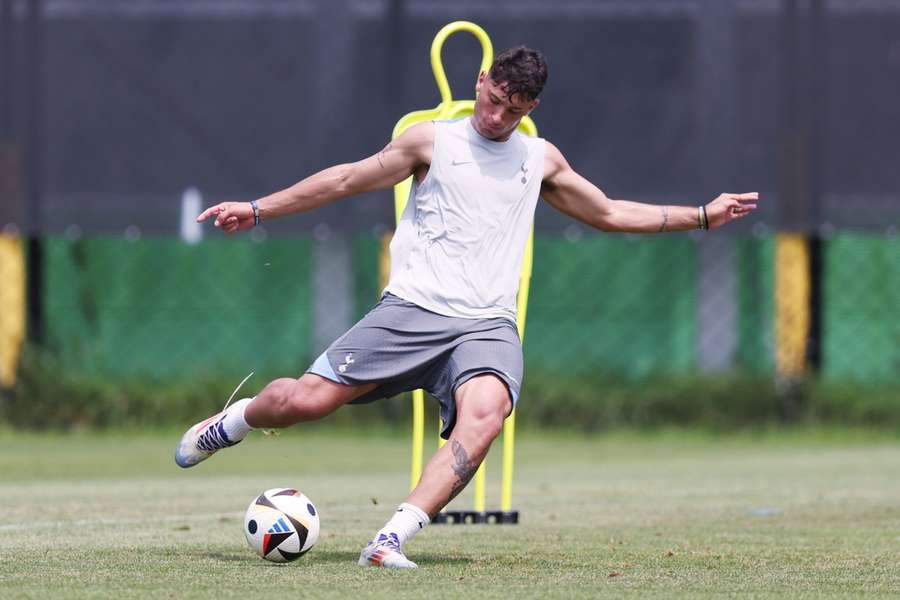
(705, 217)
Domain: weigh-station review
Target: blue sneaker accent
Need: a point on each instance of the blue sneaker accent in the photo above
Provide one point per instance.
(214, 438)
(384, 551)
(203, 440)
(391, 541)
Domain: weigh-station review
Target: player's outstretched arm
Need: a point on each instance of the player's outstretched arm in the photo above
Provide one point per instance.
(577, 197)
(394, 163)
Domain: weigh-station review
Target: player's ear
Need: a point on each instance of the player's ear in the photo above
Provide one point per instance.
(479, 82)
(534, 104)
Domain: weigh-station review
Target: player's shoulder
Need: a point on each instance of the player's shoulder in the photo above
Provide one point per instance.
(418, 137)
(535, 144)
(422, 130)
(554, 161)
(551, 151)
(455, 127)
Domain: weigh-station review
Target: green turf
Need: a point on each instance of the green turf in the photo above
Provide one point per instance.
(672, 515)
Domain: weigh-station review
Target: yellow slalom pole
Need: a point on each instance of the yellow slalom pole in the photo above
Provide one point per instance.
(792, 292)
(12, 306)
(480, 492)
(509, 426)
(418, 441)
(509, 435)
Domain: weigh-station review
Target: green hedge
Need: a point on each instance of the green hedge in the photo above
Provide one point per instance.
(49, 396)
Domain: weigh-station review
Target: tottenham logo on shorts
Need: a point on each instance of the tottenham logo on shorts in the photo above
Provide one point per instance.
(348, 360)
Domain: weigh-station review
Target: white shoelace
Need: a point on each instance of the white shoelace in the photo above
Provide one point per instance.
(214, 438)
(234, 393)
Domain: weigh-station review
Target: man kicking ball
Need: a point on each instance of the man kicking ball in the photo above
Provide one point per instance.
(447, 320)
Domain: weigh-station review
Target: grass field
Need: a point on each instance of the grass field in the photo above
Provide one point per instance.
(796, 515)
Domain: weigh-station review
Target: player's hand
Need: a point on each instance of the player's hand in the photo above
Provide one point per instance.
(230, 216)
(728, 207)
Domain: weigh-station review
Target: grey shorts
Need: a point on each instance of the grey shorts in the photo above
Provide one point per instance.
(402, 347)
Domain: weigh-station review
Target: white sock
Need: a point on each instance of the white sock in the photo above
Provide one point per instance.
(406, 522)
(236, 427)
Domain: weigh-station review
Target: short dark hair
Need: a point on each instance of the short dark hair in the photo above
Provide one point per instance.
(521, 70)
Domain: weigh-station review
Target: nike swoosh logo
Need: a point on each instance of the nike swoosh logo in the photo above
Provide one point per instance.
(461, 162)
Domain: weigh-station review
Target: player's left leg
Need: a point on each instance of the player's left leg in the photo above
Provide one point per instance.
(482, 403)
(281, 403)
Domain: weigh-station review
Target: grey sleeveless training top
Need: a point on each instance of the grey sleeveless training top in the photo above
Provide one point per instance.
(458, 247)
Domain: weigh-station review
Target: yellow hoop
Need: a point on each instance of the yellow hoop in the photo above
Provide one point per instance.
(437, 66)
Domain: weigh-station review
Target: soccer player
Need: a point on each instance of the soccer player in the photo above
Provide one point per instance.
(447, 320)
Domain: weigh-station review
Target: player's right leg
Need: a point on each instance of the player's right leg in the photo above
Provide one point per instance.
(281, 403)
(482, 404)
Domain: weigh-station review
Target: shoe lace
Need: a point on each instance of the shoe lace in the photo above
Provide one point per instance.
(390, 540)
(214, 438)
(234, 393)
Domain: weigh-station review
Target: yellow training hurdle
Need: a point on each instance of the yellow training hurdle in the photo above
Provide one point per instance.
(451, 109)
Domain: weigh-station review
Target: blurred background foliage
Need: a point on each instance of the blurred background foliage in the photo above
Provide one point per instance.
(119, 121)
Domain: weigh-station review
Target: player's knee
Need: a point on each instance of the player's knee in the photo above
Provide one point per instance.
(484, 421)
(483, 404)
(301, 400)
(492, 425)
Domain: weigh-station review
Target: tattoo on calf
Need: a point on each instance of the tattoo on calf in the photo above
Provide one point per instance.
(462, 466)
(665, 216)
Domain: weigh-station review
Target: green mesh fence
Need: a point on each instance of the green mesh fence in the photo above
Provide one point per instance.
(862, 313)
(756, 305)
(162, 308)
(615, 306)
(367, 287)
(612, 305)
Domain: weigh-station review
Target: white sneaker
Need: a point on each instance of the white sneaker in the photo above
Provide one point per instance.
(385, 552)
(203, 440)
(207, 437)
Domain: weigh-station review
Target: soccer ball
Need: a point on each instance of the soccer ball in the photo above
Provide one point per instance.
(281, 525)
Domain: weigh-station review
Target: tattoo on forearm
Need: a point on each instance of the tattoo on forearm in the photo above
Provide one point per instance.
(665, 219)
(381, 154)
(462, 466)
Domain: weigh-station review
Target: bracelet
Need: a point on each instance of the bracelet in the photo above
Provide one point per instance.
(702, 218)
(255, 206)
